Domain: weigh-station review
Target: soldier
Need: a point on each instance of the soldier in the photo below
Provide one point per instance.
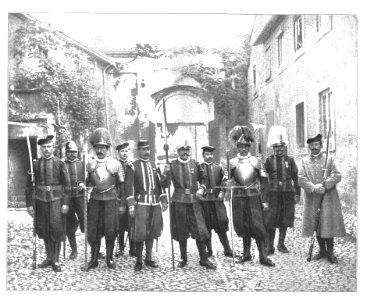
(187, 216)
(145, 196)
(124, 220)
(75, 215)
(51, 203)
(311, 179)
(215, 213)
(248, 219)
(284, 190)
(106, 176)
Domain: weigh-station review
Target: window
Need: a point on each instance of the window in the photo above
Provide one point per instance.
(300, 124)
(254, 77)
(280, 49)
(327, 117)
(298, 34)
(268, 63)
(323, 23)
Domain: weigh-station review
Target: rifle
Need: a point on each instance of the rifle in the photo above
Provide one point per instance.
(166, 147)
(318, 212)
(31, 172)
(85, 198)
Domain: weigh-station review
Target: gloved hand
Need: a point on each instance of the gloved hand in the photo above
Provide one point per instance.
(164, 206)
(265, 206)
(64, 209)
(200, 193)
(167, 168)
(132, 211)
(122, 209)
(81, 186)
(221, 195)
(319, 189)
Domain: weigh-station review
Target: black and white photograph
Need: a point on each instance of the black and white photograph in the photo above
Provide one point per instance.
(182, 150)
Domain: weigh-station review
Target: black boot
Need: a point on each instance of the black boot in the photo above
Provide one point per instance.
(270, 242)
(149, 262)
(139, 252)
(132, 251)
(72, 242)
(183, 251)
(264, 260)
(282, 233)
(121, 240)
(246, 249)
(48, 261)
(209, 247)
(322, 245)
(227, 248)
(110, 244)
(94, 250)
(203, 257)
(330, 251)
(55, 258)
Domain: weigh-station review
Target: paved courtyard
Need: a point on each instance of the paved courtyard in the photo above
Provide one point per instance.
(291, 273)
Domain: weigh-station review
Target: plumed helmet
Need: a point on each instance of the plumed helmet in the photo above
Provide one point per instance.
(277, 136)
(100, 136)
(240, 135)
(71, 146)
(182, 138)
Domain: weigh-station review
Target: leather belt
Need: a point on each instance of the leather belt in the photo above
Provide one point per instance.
(185, 191)
(48, 188)
(103, 191)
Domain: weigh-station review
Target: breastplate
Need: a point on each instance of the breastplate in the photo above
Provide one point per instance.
(101, 178)
(244, 173)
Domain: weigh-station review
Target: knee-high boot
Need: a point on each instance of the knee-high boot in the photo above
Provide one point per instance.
(132, 250)
(227, 248)
(330, 251)
(72, 242)
(246, 240)
(110, 244)
(270, 242)
(94, 250)
(48, 261)
(203, 257)
(121, 240)
(282, 233)
(149, 262)
(264, 260)
(322, 245)
(183, 251)
(139, 253)
(208, 243)
(55, 258)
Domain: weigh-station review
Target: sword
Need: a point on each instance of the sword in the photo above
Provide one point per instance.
(230, 206)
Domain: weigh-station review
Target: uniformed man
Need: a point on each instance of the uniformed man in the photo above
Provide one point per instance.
(187, 217)
(247, 209)
(284, 190)
(106, 176)
(123, 151)
(75, 215)
(316, 186)
(51, 201)
(215, 213)
(144, 195)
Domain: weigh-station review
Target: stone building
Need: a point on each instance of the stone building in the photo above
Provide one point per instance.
(303, 75)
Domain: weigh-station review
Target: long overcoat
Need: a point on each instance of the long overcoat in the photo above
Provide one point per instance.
(310, 173)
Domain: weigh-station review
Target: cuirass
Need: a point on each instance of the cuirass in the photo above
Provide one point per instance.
(101, 178)
(244, 173)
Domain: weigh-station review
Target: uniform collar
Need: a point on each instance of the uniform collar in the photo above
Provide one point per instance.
(208, 163)
(144, 160)
(52, 156)
(183, 161)
(72, 160)
(244, 157)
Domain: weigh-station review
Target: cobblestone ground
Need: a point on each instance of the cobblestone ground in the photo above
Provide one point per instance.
(291, 273)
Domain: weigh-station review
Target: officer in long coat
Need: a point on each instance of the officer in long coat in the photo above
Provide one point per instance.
(284, 190)
(187, 216)
(215, 212)
(144, 197)
(75, 216)
(52, 200)
(125, 220)
(316, 186)
(106, 176)
(246, 172)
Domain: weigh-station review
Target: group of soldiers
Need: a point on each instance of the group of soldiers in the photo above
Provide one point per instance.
(130, 197)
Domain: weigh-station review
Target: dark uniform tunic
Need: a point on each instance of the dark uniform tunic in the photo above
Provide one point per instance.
(248, 218)
(215, 213)
(75, 215)
(124, 220)
(187, 217)
(104, 175)
(283, 185)
(52, 191)
(143, 189)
